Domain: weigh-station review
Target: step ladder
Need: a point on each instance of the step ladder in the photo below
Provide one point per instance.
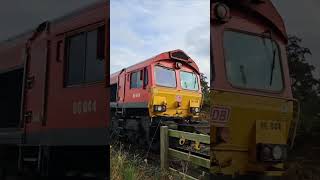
(120, 112)
(30, 158)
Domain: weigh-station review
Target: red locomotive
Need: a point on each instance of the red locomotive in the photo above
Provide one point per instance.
(54, 94)
(163, 90)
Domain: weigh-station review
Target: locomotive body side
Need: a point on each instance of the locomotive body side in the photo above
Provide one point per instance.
(77, 107)
(64, 90)
(251, 88)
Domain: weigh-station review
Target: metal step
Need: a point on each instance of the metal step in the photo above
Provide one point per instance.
(30, 159)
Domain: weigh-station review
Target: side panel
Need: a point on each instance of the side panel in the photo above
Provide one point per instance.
(77, 114)
(11, 57)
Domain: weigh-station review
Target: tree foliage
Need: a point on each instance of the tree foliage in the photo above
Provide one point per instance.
(305, 87)
(205, 91)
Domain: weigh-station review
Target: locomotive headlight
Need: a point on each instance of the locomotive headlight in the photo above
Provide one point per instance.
(178, 65)
(194, 109)
(272, 152)
(267, 152)
(277, 152)
(222, 11)
(159, 108)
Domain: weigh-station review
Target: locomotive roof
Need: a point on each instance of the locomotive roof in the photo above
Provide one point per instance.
(159, 57)
(265, 9)
(22, 37)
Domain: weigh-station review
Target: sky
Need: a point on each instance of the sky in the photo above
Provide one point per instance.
(141, 29)
(171, 17)
(302, 19)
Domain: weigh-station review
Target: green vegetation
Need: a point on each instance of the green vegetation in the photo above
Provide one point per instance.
(205, 91)
(126, 166)
(306, 88)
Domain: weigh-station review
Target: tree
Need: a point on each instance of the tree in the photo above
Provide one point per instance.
(305, 87)
(205, 91)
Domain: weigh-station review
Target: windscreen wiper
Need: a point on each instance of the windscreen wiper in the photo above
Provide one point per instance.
(243, 75)
(273, 64)
(274, 53)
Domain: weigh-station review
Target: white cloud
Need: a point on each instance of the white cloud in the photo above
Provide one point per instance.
(141, 29)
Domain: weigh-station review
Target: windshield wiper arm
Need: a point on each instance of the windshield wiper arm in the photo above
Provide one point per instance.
(243, 75)
(273, 65)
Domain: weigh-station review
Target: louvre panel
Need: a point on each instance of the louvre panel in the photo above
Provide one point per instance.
(179, 55)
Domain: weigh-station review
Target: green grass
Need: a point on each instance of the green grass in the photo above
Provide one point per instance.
(126, 166)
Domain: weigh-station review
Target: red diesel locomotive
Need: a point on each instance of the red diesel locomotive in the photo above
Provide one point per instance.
(163, 90)
(54, 94)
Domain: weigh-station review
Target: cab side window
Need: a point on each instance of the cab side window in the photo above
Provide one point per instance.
(85, 57)
(145, 79)
(136, 80)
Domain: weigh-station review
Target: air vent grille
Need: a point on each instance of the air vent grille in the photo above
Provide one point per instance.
(179, 55)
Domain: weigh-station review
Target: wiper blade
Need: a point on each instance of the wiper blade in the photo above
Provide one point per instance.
(272, 66)
(243, 75)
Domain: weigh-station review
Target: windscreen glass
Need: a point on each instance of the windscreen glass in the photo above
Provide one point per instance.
(189, 81)
(165, 77)
(252, 61)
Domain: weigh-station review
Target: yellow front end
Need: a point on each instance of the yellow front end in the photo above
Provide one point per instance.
(178, 103)
(253, 122)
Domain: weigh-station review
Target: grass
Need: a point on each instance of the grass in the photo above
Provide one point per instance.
(125, 166)
(129, 165)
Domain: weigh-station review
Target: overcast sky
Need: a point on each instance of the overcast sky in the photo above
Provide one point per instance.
(302, 19)
(169, 23)
(141, 29)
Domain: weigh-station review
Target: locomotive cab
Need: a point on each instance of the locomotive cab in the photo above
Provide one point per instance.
(252, 109)
(176, 91)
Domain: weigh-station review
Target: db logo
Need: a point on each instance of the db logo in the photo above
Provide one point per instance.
(220, 114)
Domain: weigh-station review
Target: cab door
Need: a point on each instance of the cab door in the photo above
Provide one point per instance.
(135, 93)
(35, 90)
(121, 86)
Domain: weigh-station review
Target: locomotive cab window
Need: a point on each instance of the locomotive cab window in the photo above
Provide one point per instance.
(189, 81)
(145, 77)
(252, 61)
(85, 57)
(165, 77)
(136, 80)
